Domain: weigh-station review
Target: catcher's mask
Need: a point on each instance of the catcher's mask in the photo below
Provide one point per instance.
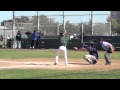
(91, 43)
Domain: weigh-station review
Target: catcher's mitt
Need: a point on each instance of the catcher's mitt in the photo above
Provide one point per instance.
(75, 48)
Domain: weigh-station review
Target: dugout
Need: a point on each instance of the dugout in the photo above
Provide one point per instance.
(49, 42)
(53, 43)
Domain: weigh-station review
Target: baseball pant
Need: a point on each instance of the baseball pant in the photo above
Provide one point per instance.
(89, 58)
(106, 55)
(64, 50)
(18, 44)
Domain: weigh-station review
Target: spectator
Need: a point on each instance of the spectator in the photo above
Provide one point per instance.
(28, 34)
(8, 41)
(34, 39)
(38, 39)
(18, 39)
(1, 38)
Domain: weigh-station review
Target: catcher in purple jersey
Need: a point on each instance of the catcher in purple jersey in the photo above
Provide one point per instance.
(92, 57)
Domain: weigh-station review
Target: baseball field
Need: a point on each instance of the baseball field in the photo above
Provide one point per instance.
(39, 64)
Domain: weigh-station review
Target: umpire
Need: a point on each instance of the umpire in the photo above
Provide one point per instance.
(109, 48)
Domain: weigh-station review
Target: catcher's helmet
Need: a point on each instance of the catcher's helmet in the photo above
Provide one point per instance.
(91, 43)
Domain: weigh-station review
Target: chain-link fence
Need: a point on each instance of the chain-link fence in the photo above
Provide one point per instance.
(99, 29)
(102, 29)
(6, 32)
(51, 23)
(24, 27)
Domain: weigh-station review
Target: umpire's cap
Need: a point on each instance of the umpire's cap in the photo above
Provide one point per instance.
(100, 40)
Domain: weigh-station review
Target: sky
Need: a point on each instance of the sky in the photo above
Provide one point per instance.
(6, 15)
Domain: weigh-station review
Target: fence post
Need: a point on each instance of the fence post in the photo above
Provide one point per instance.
(82, 33)
(58, 30)
(38, 20)
(110, 30)
(13, 31)
(92, 22)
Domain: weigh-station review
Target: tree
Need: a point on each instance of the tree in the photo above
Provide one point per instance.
(87, 29)
(22, 19)
(118, 31)
(114, 25)
(46, 24)
(6, 21)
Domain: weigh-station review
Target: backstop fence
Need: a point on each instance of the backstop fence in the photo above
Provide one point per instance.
(99, 29)
(53, 24)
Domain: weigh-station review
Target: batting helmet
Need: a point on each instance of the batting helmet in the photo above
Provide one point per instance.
(61, 34)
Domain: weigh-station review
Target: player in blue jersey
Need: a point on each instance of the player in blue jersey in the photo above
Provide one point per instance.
(34, 39)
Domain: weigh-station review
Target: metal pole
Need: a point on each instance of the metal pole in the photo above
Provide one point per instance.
(21, 26)
(38, 20)
(4, 36)
(13, 31)
(13, 23)
(110, 24)
(110, 29)
(92, 22)
(58, 29)
(64, 22)
(82, 33)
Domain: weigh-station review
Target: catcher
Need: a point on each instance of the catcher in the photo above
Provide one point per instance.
(92, 57)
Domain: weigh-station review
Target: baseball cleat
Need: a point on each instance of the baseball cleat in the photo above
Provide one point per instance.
(94, 61)
(108, 63)
(91, 63)
(55, 63)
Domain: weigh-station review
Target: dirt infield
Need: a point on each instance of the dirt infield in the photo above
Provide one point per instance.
(48, 63)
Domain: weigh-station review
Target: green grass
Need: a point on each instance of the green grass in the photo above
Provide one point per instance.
(58, 74)
(20, 54)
